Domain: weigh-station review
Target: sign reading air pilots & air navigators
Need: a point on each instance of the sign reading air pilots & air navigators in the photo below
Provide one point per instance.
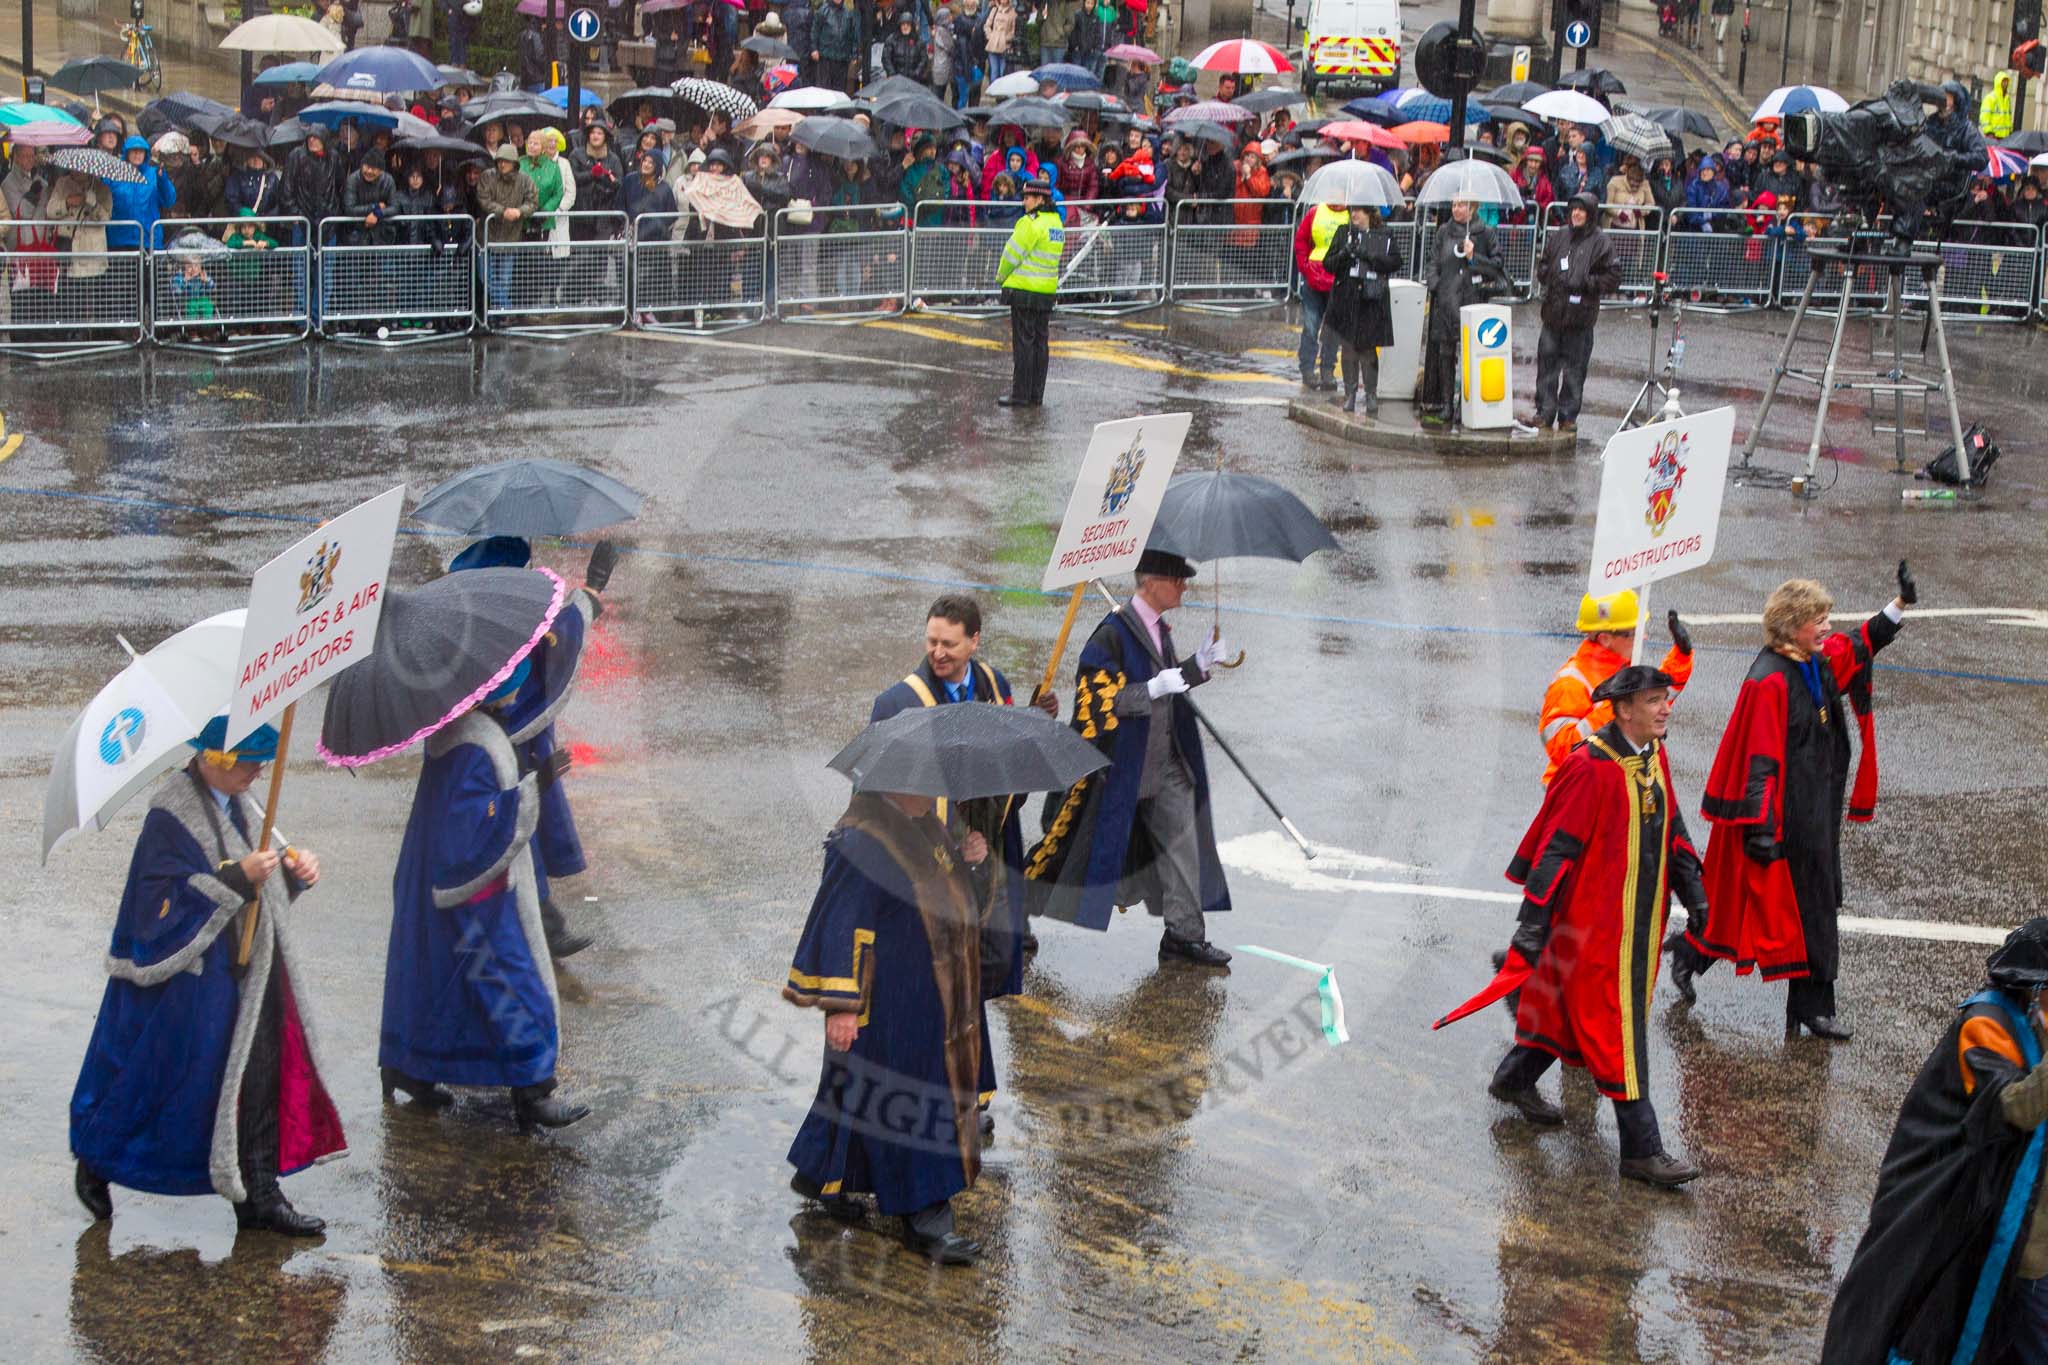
(313, 611)
(1660, 500)
(1116, 496)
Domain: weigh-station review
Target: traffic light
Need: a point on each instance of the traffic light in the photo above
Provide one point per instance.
(2029, 59)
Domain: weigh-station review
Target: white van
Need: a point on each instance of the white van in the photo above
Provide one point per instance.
(1352, 44)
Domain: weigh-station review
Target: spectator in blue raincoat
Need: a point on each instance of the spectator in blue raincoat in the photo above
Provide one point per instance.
(142, 204)
(1706, 190)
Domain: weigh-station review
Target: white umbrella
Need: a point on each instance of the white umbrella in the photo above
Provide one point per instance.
(810, 98)
(1573, 106)
(2041, 159)
(280, 33)
(1016, 83)
(1480, 181)
(1799, 99)
(135, 729)
(1352, 184)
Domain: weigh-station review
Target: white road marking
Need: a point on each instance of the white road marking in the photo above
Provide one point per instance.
(1270, 856)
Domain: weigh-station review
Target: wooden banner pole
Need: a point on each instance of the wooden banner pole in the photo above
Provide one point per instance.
(249, 911)
(1059, 645)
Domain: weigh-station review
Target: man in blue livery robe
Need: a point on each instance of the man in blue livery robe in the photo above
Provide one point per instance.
(201, 1076)
(530, 720)
(1139, 829)
(469, 988)
(891, 954)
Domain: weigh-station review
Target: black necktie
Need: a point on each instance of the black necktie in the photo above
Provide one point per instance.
(235, 815)
(1165, 644)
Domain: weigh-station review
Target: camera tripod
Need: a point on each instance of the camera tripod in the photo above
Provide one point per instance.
(1845, 259)
(1661, 382)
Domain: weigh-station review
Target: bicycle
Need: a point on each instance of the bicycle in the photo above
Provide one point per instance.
(141, 53)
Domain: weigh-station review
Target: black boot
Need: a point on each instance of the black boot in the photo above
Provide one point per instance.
(93, 1193)
(841, 1208)
(1201, 952)
(1351, 400)
(562, 940)
(272, 1212)
(423, 1093)
(1372, 402)
(1682, 973)
(545, 1111)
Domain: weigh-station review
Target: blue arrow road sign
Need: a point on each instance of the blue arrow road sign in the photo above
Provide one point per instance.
(583, 26)
(1577, 33)
(1492, 332)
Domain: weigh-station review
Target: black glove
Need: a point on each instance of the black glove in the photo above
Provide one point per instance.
(1760, 847)
(1909, 591)
(603, 559)
(1680, 636)
(551, 769)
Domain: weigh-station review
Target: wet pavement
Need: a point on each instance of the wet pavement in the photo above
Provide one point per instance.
(1182, 1168)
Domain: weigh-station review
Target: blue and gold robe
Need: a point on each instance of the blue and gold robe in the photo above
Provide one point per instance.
(892, 937)
(469, 989)
(530, 721)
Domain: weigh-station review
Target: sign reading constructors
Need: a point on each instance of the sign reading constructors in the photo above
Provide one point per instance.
(313, 611)
(1116, 496)
(1660, 500)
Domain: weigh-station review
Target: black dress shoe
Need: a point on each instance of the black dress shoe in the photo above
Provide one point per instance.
(948, 1248)
(93, 1193)
(1198, 951)
(1010, 400)
(1682, 975)
(842, 1209)
(274, 1213)
(423, 1093)
(548, 1112)
(1662, 1169)
(568, 944)
(1533, 1106)
(1823, 1027)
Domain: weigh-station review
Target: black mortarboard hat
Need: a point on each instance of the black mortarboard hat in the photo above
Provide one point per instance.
(1166, 564)
(1628, 681)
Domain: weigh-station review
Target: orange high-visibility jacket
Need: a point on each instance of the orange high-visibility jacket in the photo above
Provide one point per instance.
(1570, 716)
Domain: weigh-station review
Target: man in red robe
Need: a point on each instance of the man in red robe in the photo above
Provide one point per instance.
(1597, 868)
(1775, 796)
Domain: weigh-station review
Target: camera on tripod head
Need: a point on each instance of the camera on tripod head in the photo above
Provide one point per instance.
(1879, 155)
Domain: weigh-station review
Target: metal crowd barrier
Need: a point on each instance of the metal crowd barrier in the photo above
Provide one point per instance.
(405, 281)
(208, 295)
(60, 302)
(545, 288)
(851, 262)
(1984, 283)
(1226, 266)
(696, 287)
(1866, 287)
(1519, 244)
(1638, 253)
(1718, 262)
(1116, 264)
(953, 266)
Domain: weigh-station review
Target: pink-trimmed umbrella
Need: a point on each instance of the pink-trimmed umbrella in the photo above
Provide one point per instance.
(1132, 52)
(48, 135)
(1247, 56)
(440, 650)
(1208, 111)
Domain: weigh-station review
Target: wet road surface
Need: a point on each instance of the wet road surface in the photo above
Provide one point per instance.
(1182, 1168)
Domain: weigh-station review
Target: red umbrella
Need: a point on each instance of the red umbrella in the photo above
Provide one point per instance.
(1516, 970)
(1245, 55)
(1358, 130)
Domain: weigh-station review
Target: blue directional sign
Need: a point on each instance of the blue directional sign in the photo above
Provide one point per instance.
(1492, 333)
(1577, 33)
(583, 26)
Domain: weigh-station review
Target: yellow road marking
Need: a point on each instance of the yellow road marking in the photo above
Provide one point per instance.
(1106, 352)
(8, 444)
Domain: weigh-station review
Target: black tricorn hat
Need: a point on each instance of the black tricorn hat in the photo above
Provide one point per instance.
(1628, 681)
(2021, 963)
(1165, 563)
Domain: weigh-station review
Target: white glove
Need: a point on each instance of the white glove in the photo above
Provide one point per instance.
(1165, 683)
(1210, 653)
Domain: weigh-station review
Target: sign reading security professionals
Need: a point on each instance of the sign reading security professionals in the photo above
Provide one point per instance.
(313, 611)
(1116, 496)
(1660, 500)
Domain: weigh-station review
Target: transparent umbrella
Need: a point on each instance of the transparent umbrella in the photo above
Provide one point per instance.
(1480, 181)
(1352, 184)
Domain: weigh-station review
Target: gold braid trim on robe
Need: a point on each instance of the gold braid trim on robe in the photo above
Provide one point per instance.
(946, 904)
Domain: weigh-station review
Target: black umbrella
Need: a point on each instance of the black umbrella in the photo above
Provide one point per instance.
(661, 97)
(1092, 102)
(237, 130)
(1515, 92)
(769, 47)
(838, 137)
(1216, 515)
(975, 111)
(181, 110)
(1268, 98)
(1288, 160)
(1676, 118)
(918, 111)
(2032, 141)
(892, 85)
(528, 498)
(961, 752)
(1510, 113)
(513, 104)
(440, 650)
(1594, 80)
(452, 76)
(1029, 111)
(456, 147)
(1201, 130)
(289, 133)
(90, 75)
(1309, 127)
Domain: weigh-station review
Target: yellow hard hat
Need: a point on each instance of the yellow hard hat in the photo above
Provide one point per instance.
(1617, 612)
